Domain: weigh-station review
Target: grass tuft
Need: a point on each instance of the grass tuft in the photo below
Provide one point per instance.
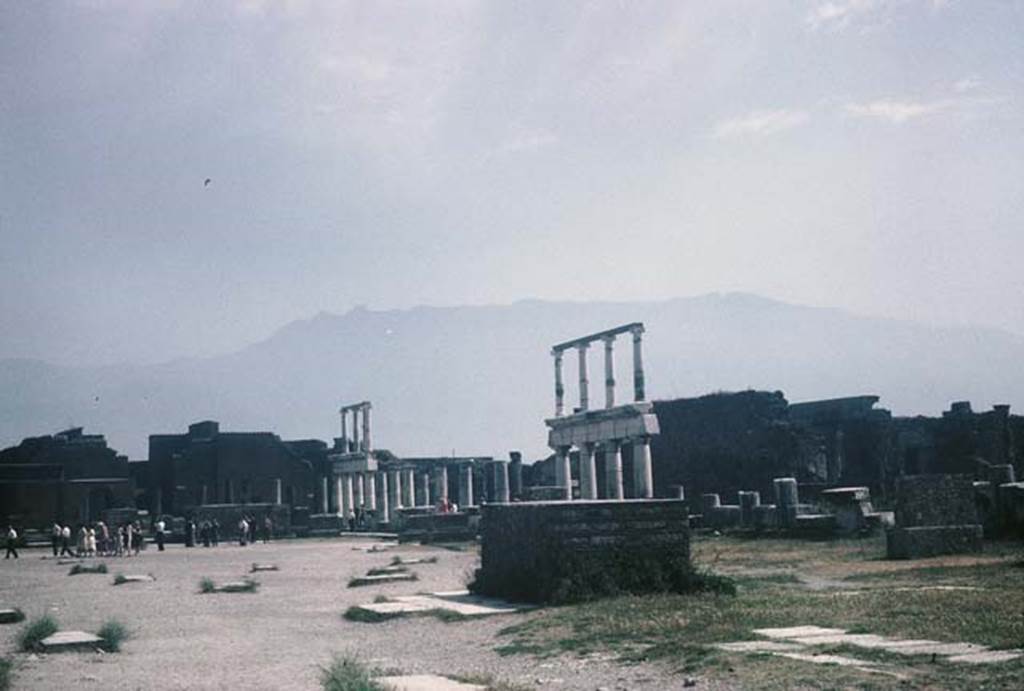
(113, 633)
(206, 585)
(346, 673)
(87, 568)
(34, 633)
(5, 673)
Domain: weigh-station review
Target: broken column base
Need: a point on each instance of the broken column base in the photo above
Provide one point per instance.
(930, 541)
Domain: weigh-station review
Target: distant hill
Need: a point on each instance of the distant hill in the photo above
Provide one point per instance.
(478, 380)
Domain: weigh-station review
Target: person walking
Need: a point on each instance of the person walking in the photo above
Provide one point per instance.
(65, 541)
(12, 542)
(268, 529)
(90, 542)
(55, 534)
(243, 531)
(160, 526)
(215, 529)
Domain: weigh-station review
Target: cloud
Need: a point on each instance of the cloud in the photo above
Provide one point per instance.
(837, 15)
(760, 122)
(897, 112)
(526, 140)
(966, 84)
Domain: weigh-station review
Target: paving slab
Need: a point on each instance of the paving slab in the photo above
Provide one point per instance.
(427, 682)
(457, 601)
(136, 578)
(798, 631)
(64, 641)
(840, 660)
(758, 647)
(934, 648)
(234, 587)
(10, 616)
(383, 578)
(416, 560)
(988, 657)
(864, 640)
(385, 570)
(264, 567)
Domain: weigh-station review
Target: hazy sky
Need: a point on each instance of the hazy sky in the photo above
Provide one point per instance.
(865, 154)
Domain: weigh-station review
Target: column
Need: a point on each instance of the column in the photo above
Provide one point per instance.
(559, 388)
(370, 491)
(609, 372)
(465, 486)
(355, 430)
(347, 498)
(643, 480)
(366, 427)
(229, 491)
(278, 495)
(323, 495)
(588, 472)
(638, 364)
(441, 483)
(501, 493)
(408, 489)
(581, 350)
(344, 434)
(384, 505)
(360, 489)
(424, 493)
(516, 475)
(613, 469)
(204, 495)
(336, 499)
(563, 470)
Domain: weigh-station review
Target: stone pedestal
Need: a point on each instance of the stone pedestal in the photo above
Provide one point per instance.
(749, 501)
(786, 500)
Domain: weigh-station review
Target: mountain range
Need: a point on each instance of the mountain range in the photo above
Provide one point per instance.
(478, 380)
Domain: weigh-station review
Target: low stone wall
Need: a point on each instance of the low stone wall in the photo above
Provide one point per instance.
(439, 527)
(570, 550)
(935, 514)
(932, 541)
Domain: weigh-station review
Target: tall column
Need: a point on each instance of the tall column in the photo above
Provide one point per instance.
(408, 488)
(204, 495)
(366, 427)
(278, 495)
(588, 472)
(323, 495)
(516, 474)
(370, 490)
(643, 481)
(465, 486)
(613, 469)
(441, 483)
(559, 387)
(638, 365)
(563, 470)
(609, 372)
(336, 499)
(501, 494)
(355, 430)
(384, 505)
(348, 498)
(424, 494)
(344, 433)
(360, 488)
(581, 350)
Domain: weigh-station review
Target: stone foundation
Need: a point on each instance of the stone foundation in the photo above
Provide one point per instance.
(931, 541)
(439, 527)
(565, 551)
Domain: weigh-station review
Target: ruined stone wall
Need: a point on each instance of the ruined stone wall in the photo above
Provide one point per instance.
(935, 514)
(535, 551)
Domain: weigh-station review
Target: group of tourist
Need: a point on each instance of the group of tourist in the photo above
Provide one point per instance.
(247, 526)
(97, 540)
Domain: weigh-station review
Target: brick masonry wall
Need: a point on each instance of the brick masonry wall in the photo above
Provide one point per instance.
(533, 541)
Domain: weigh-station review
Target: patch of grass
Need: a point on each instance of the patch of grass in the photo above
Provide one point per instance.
(206, 585)
(87, 568)
(113, 633)
(448, 616)
(35, 631)
(346, 673)
(5, 673)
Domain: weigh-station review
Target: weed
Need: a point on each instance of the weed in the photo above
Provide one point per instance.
(346, 673)
(206, 585)
(113, 633)
(34, 632)
(5, 673)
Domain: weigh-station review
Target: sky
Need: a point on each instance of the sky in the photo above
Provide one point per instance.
(862, 154)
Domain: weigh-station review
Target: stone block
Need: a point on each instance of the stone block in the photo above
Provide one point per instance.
(71, 641)
(725, 516)
(765, 516)
(381, 579)
(929, 541)
(934, 500)
(10, 616)
(425, 682)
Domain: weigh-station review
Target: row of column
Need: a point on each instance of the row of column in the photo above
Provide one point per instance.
(360, 414)
(609, 373)
(384, 490)
(643, 482)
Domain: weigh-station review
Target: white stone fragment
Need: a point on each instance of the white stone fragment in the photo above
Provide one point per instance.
(426, 682)
(798, 631)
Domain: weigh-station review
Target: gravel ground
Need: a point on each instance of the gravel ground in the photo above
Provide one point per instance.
(277, 637)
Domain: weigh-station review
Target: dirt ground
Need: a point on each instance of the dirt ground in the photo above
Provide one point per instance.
(278, 637)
